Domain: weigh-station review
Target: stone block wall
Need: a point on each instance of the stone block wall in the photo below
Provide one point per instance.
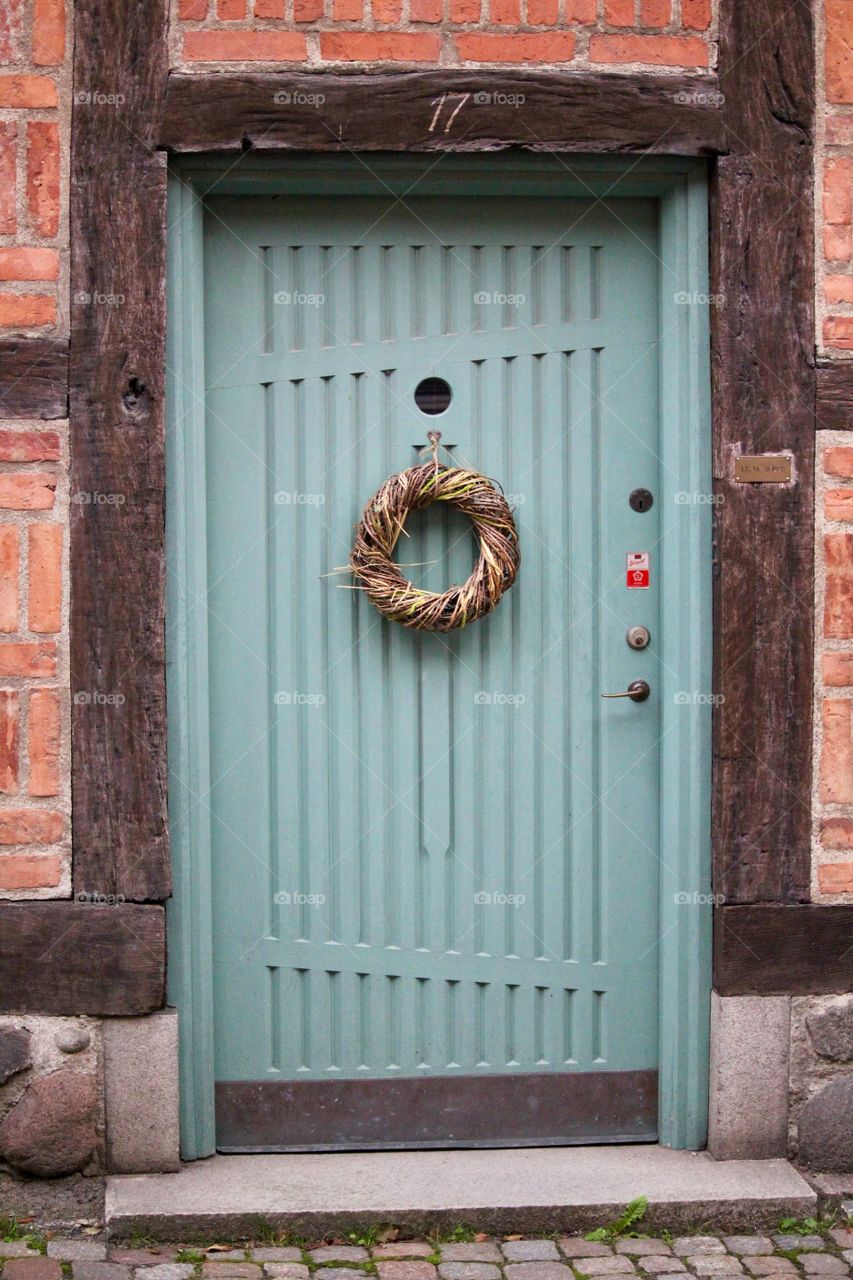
(821, 1082)
(51, 1104)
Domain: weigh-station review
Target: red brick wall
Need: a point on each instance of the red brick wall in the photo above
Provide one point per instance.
(833, 863)
(611, 34)
(34, 775)
(832, 878)
(835, 172)
(33, 84)
(34, 836)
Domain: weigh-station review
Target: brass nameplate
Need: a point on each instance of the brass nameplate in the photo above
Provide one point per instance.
(763, 468)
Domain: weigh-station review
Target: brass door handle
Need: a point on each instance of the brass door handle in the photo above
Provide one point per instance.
(637, 691)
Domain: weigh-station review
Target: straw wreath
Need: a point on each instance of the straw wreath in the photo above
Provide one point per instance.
(382, 523)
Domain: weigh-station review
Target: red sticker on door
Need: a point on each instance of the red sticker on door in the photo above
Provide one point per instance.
(637, 569)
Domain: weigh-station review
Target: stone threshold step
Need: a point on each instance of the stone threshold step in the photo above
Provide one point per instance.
(527, 1190)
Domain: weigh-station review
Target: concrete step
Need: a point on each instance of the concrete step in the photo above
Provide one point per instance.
(531, 1190)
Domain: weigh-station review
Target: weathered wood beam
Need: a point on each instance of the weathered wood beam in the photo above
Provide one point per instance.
(775, 950)
(117, 377)
(73, 957)
(764, 402)
(444, 110)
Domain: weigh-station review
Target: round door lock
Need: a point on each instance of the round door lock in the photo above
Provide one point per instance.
(641, 500)
(638, 637)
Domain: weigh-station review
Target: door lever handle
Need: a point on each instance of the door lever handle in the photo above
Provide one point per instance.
(637, 691)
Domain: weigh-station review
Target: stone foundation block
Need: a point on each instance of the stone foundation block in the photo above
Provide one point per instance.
(750, 1039)
(141, 1093)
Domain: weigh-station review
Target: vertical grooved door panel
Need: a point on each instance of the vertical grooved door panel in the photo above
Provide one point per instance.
(433, 855)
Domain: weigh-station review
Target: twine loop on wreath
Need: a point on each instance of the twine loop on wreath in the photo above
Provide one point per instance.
(382, 523)
(434, 438)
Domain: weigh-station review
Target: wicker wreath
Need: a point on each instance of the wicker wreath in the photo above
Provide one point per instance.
(382, 523)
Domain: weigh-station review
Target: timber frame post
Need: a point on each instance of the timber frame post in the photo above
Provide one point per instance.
(754, 122)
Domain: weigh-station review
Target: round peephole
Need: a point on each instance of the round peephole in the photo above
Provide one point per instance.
(433, 395)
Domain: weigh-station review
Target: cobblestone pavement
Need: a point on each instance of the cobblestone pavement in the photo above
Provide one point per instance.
(786, 1256)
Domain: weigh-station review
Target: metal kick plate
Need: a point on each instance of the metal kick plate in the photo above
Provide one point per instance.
(530, 1109)
(764, 468)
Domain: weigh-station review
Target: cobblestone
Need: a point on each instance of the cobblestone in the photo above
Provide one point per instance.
(705, 1257)
(539, 1271)
(32, 1269)
(607, 1266)
(822, 1264)
(692, 1246)
(17, 1249)
(339, 1253)
(142, 1257)
(468, 1271)
(642, 1248)
(714, 1264)
(76, 1250)
(530, 1251)
(231, 1270)
(342, 1273)
(482, 1251)
(414, 1269)
(100, 1271)
(786, 1241)
(166, 1271)
(404, 1249)
(572, 1247)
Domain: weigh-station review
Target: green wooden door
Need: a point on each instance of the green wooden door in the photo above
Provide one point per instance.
(435, 860)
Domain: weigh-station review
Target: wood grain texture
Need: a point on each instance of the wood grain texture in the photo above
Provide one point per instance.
(33, 378)
(835, 396)
(72, 958)
(117, 374)
(764, 402)
(444, 110)
(776, 950)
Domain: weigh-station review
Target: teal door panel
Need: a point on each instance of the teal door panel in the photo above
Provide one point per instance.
(432, 855)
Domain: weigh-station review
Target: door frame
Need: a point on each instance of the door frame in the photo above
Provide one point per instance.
(681, 188)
